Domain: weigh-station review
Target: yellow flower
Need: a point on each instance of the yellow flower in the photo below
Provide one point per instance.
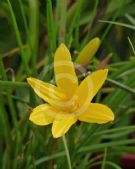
(69, 101)
(88, 52)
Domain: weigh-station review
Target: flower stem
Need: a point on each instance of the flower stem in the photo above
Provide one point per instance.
(67, 152)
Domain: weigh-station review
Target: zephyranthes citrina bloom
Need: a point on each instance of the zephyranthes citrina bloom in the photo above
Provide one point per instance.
(69, 101)
(88, 52)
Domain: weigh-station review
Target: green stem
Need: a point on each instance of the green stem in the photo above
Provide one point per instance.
(67, 152)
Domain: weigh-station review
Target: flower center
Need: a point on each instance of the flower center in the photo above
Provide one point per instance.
(68, 106)
(73, 107)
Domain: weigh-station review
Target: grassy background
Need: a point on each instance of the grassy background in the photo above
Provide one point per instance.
(30, 32)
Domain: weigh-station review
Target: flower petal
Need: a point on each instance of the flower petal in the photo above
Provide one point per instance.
(88, 52)
(65, 75)
(98, 78)
(46, 91)
(61, 126)
(97, 113)
(90, 86)
(43, 115)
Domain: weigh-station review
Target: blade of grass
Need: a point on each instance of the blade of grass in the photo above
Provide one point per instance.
(48, 158)
(119, 24)
(4, 117)
(67, 152)
(132, 47)
(51, 29)
(25, 24)
(77, 27)
(122, 86)
(91, 18)
(5, 124)
(104, 159)
(108, 163)
(130, 18)
(34, 31)
(109, 26)
(113, 100)
(6, 161)
(62, 20)
(115, 130)
(18, 37)
(117, 135)
(128, 149)
(16, 98)
(32, 49)
(7, 136)
(123, 69)
(13, 114)
(10, 102)
(127, 73)
(95, 147)
(86, 149)
(114, 17)
(10, 84)
(73, 23)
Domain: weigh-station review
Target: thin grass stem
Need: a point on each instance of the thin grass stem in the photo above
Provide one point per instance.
(67, 152)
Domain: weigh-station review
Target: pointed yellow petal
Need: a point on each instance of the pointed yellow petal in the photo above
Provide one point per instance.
(98, 78)
(61, 126)
(88, 52)
(46, 91)
(65, 75)
(97, 113)
(90, 86)
(43, 115)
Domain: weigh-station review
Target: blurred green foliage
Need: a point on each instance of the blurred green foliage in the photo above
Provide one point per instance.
(30, 31)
